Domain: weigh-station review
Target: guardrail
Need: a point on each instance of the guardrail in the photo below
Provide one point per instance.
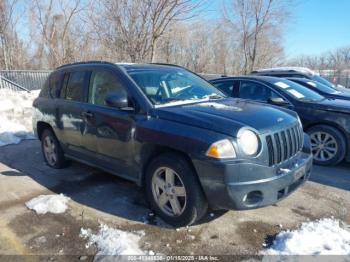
(23, 79)
(12, 86)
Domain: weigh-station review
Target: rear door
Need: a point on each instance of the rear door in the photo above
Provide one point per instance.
(70, 108)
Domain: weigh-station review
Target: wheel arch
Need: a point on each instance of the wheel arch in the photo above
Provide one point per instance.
(151, 151)
(41, 126)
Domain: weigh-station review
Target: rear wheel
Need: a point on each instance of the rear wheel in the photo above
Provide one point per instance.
(328, 145)
(173, 190)
(52, 151)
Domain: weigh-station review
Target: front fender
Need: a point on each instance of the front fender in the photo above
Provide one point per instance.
(307, 144)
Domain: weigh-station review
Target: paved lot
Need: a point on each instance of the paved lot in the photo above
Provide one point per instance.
(98, 197)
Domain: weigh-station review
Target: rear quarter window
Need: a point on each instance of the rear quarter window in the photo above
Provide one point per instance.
(45, 89)
(55, 84)
(51, 86)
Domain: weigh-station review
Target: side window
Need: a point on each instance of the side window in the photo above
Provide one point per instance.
(75, 86)
(103, 83)
(255, 91)
(64, 85)
(45, 89)
(55, 83)
(225, 86)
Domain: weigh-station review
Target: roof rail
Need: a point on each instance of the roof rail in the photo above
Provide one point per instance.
(86, 62)
(166, 64)
(286, 69)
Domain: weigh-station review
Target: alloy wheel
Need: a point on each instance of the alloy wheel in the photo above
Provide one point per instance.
(324, 146)
(169, 191)
(50, 150)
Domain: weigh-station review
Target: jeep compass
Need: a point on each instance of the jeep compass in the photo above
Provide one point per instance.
(172, 132)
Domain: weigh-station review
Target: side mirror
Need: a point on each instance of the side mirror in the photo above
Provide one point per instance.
(278, 101)
(118, 100)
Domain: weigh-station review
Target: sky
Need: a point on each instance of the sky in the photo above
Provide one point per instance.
(316, 26)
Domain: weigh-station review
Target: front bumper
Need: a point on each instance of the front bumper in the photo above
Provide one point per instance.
(244, 185)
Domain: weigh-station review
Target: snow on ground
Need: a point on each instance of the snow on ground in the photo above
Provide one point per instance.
(110, 241)
(323, 237)
(16, 116)
(48, 204)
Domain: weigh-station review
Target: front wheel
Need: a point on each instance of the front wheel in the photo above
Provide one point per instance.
(328, 145)
(173, 190)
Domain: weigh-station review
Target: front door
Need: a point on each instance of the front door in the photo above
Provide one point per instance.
(113, 127)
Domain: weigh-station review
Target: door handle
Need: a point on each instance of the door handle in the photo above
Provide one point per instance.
(87, 114)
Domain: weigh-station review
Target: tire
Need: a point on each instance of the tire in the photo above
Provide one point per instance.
(328, 140)
(52, 151)
(191, 203)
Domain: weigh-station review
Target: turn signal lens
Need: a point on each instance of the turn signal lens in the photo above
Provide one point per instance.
(221, 149)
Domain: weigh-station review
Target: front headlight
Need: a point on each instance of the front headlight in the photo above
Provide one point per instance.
(221, 149)
(248, 141)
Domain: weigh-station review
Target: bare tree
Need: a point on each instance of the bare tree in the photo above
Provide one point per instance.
(55, 22)
(336, 60)
(64, 31)
(256, 21)
(8, 37)
(133, 27)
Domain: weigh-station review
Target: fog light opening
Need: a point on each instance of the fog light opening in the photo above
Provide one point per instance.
(253, 198)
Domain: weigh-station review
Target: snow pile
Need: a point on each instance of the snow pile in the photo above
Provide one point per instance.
(16, 116)
(110, 241)
(12, 132)
(48, 204)
(323, 237)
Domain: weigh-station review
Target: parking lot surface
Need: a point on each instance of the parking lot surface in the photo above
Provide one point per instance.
(100, 198)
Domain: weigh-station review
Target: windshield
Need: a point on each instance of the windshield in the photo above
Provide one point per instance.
(298, 91)
(321, 87)
(173, 86)
(322, 81)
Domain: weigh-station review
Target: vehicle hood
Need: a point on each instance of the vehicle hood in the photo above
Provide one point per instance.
(228, 115)
(335, 105)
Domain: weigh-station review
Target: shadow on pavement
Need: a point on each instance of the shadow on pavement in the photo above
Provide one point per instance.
(85, 185)
(334, 176)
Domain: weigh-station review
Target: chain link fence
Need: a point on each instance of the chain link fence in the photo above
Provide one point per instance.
(338, 78)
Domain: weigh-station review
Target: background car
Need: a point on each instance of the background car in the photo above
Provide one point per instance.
(327, 121)
(322, 89)
(299, 72)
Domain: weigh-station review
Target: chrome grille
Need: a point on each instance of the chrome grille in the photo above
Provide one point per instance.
(284, 144)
